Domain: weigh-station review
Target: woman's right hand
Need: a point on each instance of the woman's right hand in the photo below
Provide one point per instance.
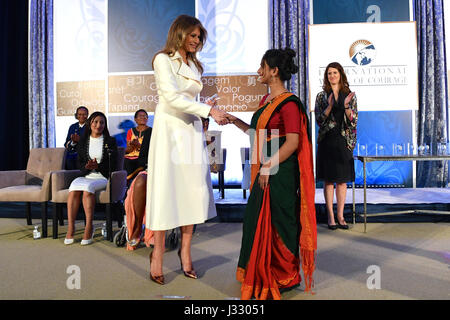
(75, 138)
(92, 164)
(231, 118)
(219, 116)
(211, 102)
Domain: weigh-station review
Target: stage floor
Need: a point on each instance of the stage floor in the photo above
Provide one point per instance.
(413, 260)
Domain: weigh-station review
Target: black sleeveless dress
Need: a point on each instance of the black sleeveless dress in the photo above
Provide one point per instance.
(334, 161)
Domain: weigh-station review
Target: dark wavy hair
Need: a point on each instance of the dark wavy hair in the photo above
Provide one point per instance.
(283, 59)
(344, 87)
(87, 131)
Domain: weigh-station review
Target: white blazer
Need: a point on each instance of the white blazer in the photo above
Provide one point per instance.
(179, 188)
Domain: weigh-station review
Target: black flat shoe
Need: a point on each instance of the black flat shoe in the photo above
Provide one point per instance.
(342, 226)
(332, 226)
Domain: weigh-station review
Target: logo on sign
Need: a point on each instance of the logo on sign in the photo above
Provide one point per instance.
(362, 52)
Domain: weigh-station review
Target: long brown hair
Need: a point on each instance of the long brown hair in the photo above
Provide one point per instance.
(176, 38)
(343, 83)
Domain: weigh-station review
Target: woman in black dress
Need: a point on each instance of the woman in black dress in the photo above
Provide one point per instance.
(336, 114)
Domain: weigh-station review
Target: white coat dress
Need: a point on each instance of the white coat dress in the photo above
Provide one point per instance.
(179, 188)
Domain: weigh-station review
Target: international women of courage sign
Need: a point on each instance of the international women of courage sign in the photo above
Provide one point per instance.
(380, 61)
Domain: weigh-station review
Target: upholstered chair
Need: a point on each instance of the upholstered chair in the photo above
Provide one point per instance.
(34, 183)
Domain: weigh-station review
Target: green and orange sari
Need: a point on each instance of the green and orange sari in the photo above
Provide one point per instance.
(279, 230)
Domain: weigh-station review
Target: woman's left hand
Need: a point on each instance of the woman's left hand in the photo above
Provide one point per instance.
(348, 99)
(264, 174)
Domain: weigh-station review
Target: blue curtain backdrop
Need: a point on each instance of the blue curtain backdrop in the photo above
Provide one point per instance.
(288, 22)
(40, 75)
(433, 99)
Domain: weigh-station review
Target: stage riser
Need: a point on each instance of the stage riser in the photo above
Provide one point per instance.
(235, 212)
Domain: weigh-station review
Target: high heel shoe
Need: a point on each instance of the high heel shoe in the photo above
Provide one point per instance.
(68, 241)
(88, 241)
(332, 226)
(134, 242)
(189, 274)
(157, 279)
(342, 226)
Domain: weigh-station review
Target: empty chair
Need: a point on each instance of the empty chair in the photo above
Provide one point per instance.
(34, 183)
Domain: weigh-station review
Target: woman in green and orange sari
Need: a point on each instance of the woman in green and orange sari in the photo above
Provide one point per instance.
(279, 230)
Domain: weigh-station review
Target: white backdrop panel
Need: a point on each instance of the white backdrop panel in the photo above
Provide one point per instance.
(380, 61)
(80, 40)
(237, 34)
(80, 48)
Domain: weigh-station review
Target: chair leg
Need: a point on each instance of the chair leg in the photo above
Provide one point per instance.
(245, 193)
(109, 222)
(119, 214)
(44, 219)
(28, 213)
(55, 220)
(222, 184)
(60, 214)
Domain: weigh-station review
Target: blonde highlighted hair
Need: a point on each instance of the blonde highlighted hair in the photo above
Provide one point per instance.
(176, 38)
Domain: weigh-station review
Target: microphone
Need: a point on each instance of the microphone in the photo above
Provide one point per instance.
(108, 150)
(109, 222)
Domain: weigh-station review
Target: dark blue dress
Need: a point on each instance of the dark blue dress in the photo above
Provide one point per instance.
(71, 158)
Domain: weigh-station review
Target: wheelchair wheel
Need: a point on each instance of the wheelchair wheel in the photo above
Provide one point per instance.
(120, 237)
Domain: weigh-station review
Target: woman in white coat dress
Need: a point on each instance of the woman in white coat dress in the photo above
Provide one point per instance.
(179, 192)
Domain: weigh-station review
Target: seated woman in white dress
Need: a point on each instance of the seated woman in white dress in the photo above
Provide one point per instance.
(94, 148)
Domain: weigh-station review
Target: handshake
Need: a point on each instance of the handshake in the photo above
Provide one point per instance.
(219, 116)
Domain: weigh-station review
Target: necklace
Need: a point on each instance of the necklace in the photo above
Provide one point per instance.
(271, 100)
